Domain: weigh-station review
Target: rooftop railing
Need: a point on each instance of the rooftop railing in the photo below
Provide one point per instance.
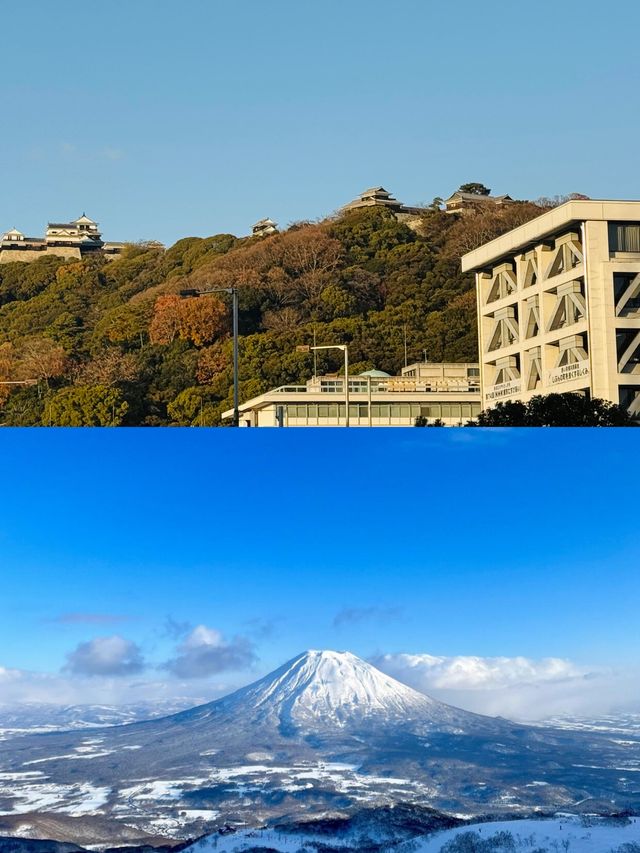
(390, 386)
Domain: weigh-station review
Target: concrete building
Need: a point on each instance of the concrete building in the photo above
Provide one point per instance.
(559, 305)
(450, 392)
(64, 239)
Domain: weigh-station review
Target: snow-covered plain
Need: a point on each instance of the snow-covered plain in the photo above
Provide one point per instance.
(562, 834)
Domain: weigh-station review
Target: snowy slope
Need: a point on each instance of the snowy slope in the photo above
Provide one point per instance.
(563, 834)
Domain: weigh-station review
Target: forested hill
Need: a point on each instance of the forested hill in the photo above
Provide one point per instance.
(112, 343)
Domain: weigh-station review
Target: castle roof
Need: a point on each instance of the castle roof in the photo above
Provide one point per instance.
(478, 197)
(378, 196)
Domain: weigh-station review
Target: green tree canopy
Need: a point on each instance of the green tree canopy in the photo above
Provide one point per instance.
(85, 405)
(475, 188)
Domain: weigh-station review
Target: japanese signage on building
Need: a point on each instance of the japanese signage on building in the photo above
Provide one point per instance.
(569, 372)
(503, 389)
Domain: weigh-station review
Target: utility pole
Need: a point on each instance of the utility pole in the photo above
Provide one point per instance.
(236, 405)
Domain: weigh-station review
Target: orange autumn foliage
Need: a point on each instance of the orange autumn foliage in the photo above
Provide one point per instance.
(198, 320)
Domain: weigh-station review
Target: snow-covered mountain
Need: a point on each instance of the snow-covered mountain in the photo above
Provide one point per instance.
(324, 734)
(332, 688)
(321, 691)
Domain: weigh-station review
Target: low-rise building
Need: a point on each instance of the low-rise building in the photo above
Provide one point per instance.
(559, 305)
(64, 239)
(446, 392)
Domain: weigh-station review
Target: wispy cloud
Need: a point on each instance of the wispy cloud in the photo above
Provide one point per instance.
(114, 656)
(375, 613)
(205, 652)
(260, 628)
(175, 629)
(88, 618)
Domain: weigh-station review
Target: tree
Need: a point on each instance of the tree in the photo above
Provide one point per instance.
(165, 323)
(41, 358)
(6, 370)
(110, 367)
(557, 410)
(202, 320)
(475, 189)
(85, 405)
(199, 321)
(125, 324)
(193, 407)
(469, 232)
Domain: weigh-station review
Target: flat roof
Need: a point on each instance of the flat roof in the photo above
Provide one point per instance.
(549, 223)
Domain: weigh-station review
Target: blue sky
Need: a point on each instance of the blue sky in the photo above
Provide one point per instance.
(456, 543)
(163, 121)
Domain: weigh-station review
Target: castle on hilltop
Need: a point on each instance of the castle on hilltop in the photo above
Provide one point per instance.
(65, 239)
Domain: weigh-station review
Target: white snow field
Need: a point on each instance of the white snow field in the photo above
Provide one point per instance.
(562, 834)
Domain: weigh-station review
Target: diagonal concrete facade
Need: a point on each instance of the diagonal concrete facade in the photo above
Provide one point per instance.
(559, 305)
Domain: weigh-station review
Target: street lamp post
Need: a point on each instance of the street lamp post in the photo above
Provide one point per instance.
(345, 349)
(186, 294)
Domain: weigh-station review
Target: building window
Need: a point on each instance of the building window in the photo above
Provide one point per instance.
(628, 347)
(626, 288)
(630, 399)
(432, 410)
(624, 237)
(358, 410)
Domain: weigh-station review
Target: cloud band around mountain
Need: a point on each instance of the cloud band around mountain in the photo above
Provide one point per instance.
(517, 687)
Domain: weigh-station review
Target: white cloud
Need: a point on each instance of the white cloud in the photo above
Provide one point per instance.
(105, 656)
(519, 688)
(205, 652)
(23, 686)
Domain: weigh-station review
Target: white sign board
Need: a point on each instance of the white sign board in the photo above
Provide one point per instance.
(503, 389)
(569, 372)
